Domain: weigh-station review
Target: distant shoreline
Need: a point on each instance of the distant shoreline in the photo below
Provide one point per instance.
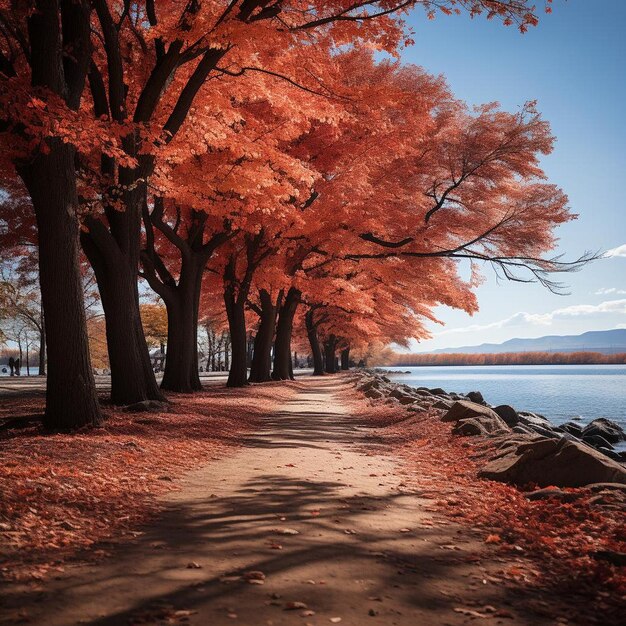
(507, 358)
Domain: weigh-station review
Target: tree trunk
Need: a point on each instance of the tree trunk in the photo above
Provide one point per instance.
(238, 374)
(42, 347)
(283, 366)
(226, 353)
(345, 359)
(316, 350)
(71, 399)
(132, 376)
(260, 370)
(180, 361)
(330, 346)
(182, 304)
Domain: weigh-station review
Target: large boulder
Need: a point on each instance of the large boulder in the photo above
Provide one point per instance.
(464, 409)
(373, 393)
(604, 428)
(474, 419)
(561, 463)
(508, 414)
(482, 425)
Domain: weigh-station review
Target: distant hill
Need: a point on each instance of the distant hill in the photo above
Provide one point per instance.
(603, 341)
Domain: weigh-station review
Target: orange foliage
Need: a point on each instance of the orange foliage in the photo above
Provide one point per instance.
(508, 358)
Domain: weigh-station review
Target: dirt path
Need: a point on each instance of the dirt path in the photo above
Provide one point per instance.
(328, 523)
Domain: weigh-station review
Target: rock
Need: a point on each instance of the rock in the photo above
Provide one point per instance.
(596, 441)
(402, 396)
(475, 396)
(438, 391)
(606, 428)
(552, 492)
(463, 409)
(480, 425)
(549, 433)
(572, 428)
(474, 419)
(522, 430)
(508, 414)
(442, 404)
(146, 406)
(423, 392)
(561, 463)
(373, 393)
(417, 408)
(532, 419)
(370, 384)
(616, 456)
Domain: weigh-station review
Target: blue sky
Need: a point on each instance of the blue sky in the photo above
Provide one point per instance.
(573, 65)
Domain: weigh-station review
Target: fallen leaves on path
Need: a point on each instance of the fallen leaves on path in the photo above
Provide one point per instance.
(65, 492)
(548, 543)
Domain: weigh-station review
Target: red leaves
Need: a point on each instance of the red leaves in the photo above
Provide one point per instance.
(560, 539)
(62, 493)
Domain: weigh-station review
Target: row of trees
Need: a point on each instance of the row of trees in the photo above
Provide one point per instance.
(509, 358)
(252, 158)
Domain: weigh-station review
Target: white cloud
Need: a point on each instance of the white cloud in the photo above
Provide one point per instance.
(605, 291)
(619, 251)
(614, 307)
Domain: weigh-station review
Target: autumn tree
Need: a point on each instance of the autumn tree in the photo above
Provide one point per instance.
(33, 64)
(144, 65)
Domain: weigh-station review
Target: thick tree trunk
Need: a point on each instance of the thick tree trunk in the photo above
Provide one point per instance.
(260, 371)
(182, 304)
(132, 377)
(180, 362)
(238, 374)
(345, 359)
(283, 366)
(316, 350)
(330, 346)
(71, 400)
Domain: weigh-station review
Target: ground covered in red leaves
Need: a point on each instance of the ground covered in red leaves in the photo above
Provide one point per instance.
(551, 544)
(63, 493)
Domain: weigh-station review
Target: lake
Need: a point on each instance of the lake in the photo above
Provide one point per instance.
(560, 392)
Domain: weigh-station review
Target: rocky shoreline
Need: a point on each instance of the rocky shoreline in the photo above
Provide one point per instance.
(523, 448)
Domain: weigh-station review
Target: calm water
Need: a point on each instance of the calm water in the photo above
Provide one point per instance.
(559, 392)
